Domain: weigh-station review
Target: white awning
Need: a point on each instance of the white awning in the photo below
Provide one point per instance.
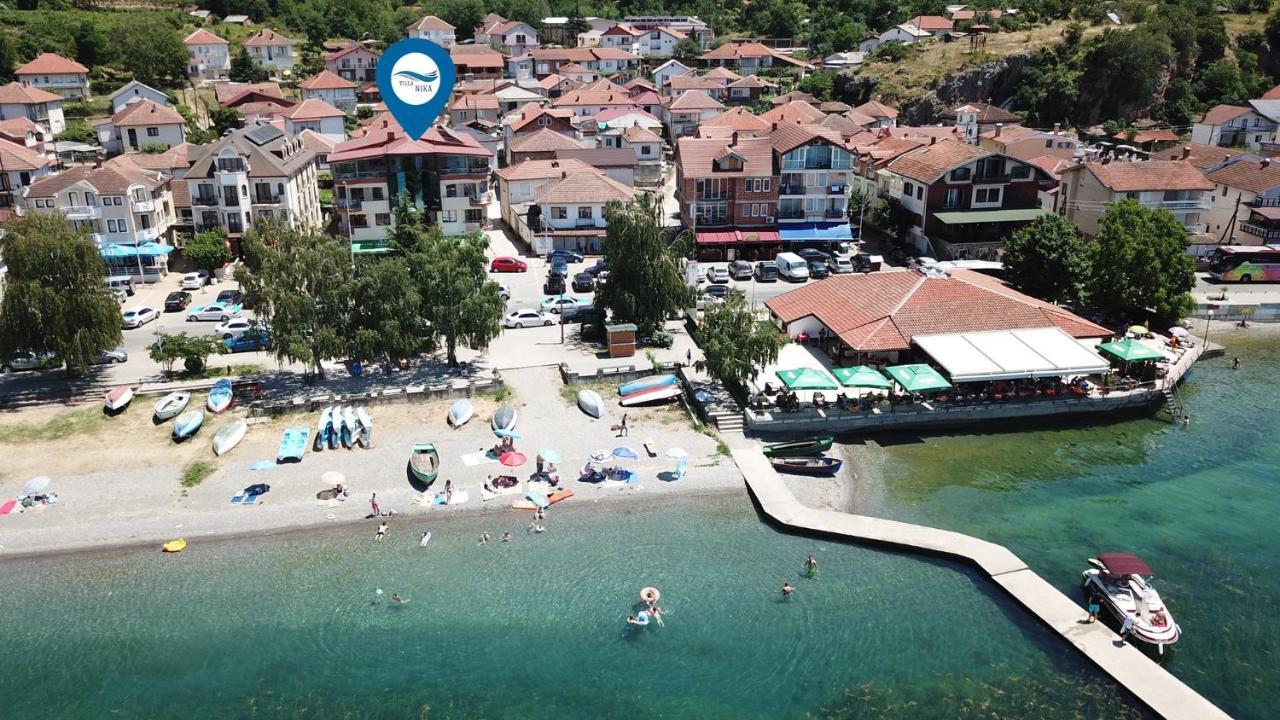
(1011, 354)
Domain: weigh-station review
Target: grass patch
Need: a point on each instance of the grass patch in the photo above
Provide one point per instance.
(569, 393)
(218, 372)
(83, 421)
(501, 394)
(706, 429)
(195, 473)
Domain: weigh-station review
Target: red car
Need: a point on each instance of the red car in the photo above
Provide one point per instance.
(508, 264)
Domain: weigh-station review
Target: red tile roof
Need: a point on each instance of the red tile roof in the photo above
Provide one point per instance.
(15, 93)
(697, 156)
(876, 110)
(593, 97)
(15, 157)
(1051, 164)
(385, 138)
(638, 134)
(796, 111)
(474, 102)
(1145, 136)
(312, 109)
(474, 56)
(1272, 94)
(543, 169)
(325, 80)
(267, 37)
(931, 23)
(694, 100)
(544, 140)
(722, 73)
(1202, 156)
(1149, 175)
(932, 161)
(431, 22)
(146, 112)
(985, 113)
(1219, 114)
(1255, 175)
(583, 188)
(692, 82)
(748, 50)
(204, 37)
(229, 92)
(883, 311)
(51, 64)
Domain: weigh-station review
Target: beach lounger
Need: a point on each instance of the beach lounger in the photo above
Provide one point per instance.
(649, 447)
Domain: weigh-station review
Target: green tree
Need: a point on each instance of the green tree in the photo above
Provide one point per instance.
(151, 49)
(1047, 259)
(207, 250)
(646, 276)
(735, 343)
(1125, 68)
(892, 217)
(193, 351)
(244, 69)
(1220, 83)
(464, 15)
(1140, 263)
(77, 132)
(575, 25)
(8, 57)
(225, 119)
(386, 317)
(687, 49)
(54, 298)
(299, 284)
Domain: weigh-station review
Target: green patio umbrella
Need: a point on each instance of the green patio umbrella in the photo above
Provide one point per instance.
(862, 377)
(918, 378)
(1130, 350)
(806, 379)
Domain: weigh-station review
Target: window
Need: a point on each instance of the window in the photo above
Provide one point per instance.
(1048, 143)
(584, 212)
(473, 216)
(89, 199)
(111, 225)
(765, 187)
(377, 193)
(153, 132)
(919, 192)
(1020, 172)
(559, 212)
(646, 150)
(382, 219)
(908, 189)
(449, 216)
(952, 199)
(987, 195)
(960, 174)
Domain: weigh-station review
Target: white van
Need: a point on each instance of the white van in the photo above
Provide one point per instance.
(792, 267)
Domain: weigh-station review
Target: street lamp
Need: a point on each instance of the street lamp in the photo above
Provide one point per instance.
(1207, 318)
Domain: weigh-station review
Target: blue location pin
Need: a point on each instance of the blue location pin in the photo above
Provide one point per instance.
(416, 79)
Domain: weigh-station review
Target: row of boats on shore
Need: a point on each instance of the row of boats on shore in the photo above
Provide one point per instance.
(187, 422)
(344, 425)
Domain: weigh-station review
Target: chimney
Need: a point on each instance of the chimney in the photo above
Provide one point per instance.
(97, 161)
(1057, 128)
(734, 141)
(999, 127)
(932, 139)
(563, 174)
(1186, 151)
(555, 163)
(1226, 158)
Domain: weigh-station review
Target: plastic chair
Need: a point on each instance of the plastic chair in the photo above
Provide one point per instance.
(681, 466)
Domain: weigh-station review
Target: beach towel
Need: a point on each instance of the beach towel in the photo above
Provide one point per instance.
(262, 465)
(479, 458)
(237, 498)
(8, 507)
(249, 500)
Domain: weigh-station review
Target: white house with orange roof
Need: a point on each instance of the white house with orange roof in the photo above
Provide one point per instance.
(354, 62)
(672, 68)
(434, 29)
(39, 106)
(317, 116)
(692, 108)
(517, 38)
(329, 88)
(210, 55)
(141, 124)
(56, 74)
(21, 165)
(271, 50)
(134, 91)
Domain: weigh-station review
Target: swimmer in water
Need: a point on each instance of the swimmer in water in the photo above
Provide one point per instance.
(484, 537)
(655, 612)
(633, 620)
(506, 536)
(398, 600)
(426, 535)
(811, 566)
(787, 589)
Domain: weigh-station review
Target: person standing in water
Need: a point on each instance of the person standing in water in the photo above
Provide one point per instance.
(426, 536)
(811, 566)
(787, 589)
(382, 531)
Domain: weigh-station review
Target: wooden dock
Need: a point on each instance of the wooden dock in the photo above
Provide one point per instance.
(1151, 684)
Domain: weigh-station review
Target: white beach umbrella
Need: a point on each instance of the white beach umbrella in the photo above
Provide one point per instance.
(677, 453)
(36, 485)
(332, 478)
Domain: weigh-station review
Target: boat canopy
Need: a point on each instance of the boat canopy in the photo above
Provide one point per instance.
(1011, 354)
(918, 378)
(1130, 350)
(806, 379)
(1118, 563)
(861, 376)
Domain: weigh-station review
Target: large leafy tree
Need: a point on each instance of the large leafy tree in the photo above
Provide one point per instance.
(386, 317)
(1140, 263)
(244, 69)
(1048, 259)
(300, 284)
(55, 299)
(152, 50)
(735, 343)
(646, 276)
(207, 250)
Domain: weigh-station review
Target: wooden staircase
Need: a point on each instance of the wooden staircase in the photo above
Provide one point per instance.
(726, 422)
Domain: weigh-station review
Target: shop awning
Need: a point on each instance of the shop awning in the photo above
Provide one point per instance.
(1130, 350)
(917, 378)
(1010, 355)
(148, 249)
(861, 376)
(729, 237)
(816, 232)
(989, 216)
(806, 379)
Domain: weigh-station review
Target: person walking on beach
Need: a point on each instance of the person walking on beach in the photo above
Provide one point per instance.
(448, 492)
(373, 503)
(1095, 605)
(623, 430)
(787, 589)
(688, 357)
(382, 531)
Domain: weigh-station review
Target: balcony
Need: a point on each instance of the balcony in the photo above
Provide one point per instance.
(1198, 229)
(585, 222)
(790, 189)
(267, 199)
(205, 200)
(348, 203)
(705, 221)
(478, 200)
(1262, 231)
(791, 214)
(838, 190)
(834, 214)
(82, 212)
(144, 206)
(477, 169)
(147, 234)
(1179, 205)
(712, 197)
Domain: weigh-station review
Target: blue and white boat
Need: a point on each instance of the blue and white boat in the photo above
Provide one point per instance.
(187, 424)
(293, 444)
(220, 396)
(348, 427)
(652, 381)
(331, 433)
(322, 427)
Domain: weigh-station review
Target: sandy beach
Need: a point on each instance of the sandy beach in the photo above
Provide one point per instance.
(118, 478)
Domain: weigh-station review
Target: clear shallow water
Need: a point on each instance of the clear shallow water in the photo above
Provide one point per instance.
(1201, 504)
(289, 626)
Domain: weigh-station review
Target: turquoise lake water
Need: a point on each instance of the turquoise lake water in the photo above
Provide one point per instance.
(290, 626)
(1200, 504)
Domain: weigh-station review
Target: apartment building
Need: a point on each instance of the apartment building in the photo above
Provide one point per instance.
(688, 111)
(330, 89)
(1243, 185)
(354, 63)
(445, 174)
(317, 116)
(210, 55)
(1027, 143)
(748, 58)
(512, 36)
(559, 204)
(434, 29)
(728, 193)
(20, 165)
(1232, 126)
(252, 175)
(471, 62)
(813, 183)
(1088, 189)
(689, 25)
(53, 73)
(273, 51)
(39, 106)
(139, 125)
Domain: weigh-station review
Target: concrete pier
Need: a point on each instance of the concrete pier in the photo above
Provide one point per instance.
(1128, 666)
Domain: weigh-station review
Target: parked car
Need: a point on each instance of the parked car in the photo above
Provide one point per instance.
(195, 280)
(717, 291)
(584, 282)
(766, 271)
(25, 360)
(576, 312)
(553, 286)
(528, 317)
(598, 268)
(559, 267)
(119, 294)
(504, 292)
(811, 255)
(234, 328)
(108, 357)
(841, 266)
(568, 255)
(250, 340)
(558, 303)
(818, 270)
(213, 311)
(701, 273)
(508, 264)
(718, 274)
(230, 297)
(864, 263)
(121, 282)
(139, 316)
(177, 301)
(740, 270)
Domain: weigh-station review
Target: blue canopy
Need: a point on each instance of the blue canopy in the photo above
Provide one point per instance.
(115, 251)
(152, 249)
(816, 232)
(148, 249)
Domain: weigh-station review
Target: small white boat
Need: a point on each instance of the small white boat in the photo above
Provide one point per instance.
(654, 393)
(505, 418)
(366, 427)
(322, 427)
(646, 383)
(1122, 580)
(219, 396)
(170, 405)
(228, 436)
(118, 398)
(459, 413)
(331, 432)
(591, 403)
(187, 424)
(348, 427)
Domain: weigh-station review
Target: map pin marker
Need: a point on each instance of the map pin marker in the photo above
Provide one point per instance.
(415, 78)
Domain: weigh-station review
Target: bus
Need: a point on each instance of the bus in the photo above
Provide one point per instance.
(1245, 263)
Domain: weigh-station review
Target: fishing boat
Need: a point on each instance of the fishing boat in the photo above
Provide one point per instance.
(657, 393)
(1123, 581)
(504, 418)
(424, 463)
(172, 404)
(459, 413)
(366, 427)
(652, 381)
(807, 465)
(331, 432)
(293, 444)
(591, 403)
(798, 448)
(187, 424)
(228, 436)
(220, 396)
(322, 427)
(348, 427)
(118, 398)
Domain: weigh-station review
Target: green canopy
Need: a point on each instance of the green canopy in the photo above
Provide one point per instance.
(861, 376)
(918, 378)
(806, 379)
(1130, 350)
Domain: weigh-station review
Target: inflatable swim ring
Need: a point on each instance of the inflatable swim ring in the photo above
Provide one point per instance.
(650, 595)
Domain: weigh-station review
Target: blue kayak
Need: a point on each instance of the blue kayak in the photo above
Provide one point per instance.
(293, 444)
(652, 381)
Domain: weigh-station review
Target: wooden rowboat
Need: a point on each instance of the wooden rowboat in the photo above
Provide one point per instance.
(798, 448)
(424, 463)
(170, 405)
(807, 465)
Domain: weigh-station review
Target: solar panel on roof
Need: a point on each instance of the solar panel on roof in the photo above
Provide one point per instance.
(262, 135)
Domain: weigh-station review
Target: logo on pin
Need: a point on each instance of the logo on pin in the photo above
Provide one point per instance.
(416, 79)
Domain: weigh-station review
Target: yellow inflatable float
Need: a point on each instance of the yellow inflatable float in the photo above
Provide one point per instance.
(174, 546)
